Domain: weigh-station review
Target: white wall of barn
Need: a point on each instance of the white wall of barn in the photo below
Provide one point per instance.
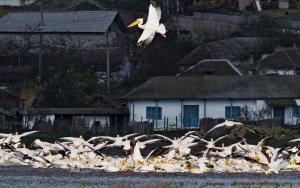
(12, 2)
(277, 72)
(216, 108)
(173, 108)
(89, 120)
(288, 115)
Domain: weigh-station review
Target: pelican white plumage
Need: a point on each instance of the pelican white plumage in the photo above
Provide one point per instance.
(182, 144)
(118, 141)
(78, 141)
(48, 147)
(226, 123)
(210, 144)
(137, 156)
(15, 138)
(151, 27)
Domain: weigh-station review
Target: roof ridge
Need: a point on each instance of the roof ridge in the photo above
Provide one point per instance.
(290, 58)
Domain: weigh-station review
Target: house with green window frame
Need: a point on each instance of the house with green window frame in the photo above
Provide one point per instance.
(188, 99)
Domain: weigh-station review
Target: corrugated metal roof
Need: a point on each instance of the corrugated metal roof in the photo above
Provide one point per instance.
(231, 49)
(82, 21)
(75, 111)
(211, 67)
(218, 87)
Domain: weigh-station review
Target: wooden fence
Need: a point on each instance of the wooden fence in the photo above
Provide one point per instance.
(144, 127)
(208, 123)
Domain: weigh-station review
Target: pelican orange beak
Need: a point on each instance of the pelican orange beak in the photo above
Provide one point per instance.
(136, 22)
(293, 162)
(256, 158)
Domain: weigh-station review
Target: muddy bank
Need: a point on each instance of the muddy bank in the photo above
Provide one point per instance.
(26, 176)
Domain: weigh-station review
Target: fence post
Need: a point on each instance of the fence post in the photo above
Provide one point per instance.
(94, 128)
(167, 124)
(60, 124)
(106, 126)
(116, 124)
(148, 127)
(176, 124)
(125, 126)
(164, 123)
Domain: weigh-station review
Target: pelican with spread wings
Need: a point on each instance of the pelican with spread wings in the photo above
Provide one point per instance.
(151, 27)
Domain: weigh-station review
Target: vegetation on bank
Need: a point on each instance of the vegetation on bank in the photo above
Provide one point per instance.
(290, 14)
(3, 11)
(279, 136)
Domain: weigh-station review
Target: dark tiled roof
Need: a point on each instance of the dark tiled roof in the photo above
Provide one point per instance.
(218, 87)
(86, 22)
(281, 102)
(76, 111)
(231, 49)
(212, 67)
(284, 58)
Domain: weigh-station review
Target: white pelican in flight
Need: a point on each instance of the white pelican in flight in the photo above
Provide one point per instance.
(151, 27)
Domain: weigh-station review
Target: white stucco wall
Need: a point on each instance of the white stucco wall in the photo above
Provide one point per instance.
(277, 72)
(89, 120)
(214, 109)
(261, 104)
(288, 115)
(12, 2)
(173, 108)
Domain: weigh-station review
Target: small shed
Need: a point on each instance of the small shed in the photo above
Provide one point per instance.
(83, 120)
(284, 61)
(8, 120)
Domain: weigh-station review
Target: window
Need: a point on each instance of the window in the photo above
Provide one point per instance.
(153, 113)
(296, 111)
(232, 112)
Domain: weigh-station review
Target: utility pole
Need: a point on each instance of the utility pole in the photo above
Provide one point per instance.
(177, 6)
(107, 63)
(39, 28)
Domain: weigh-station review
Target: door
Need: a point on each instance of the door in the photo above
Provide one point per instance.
(190, 116)
(279, 113)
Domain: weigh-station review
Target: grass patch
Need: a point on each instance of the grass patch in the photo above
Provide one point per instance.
(85, 184)
(255, 184)
(291, 14)
(214, 184)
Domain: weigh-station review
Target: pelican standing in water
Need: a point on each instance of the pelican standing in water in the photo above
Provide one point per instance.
(151, 27)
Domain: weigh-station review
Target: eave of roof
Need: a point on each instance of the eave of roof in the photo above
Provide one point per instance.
(281, 102)
(218, 87)
(58, 22)
(76, 111)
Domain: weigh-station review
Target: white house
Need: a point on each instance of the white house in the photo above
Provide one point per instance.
(189, 99)
(284, 61)
(12, 2)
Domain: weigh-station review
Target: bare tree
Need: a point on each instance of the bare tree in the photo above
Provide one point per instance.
(66, 80)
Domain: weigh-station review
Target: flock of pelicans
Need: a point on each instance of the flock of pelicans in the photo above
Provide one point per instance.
(166, 155)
